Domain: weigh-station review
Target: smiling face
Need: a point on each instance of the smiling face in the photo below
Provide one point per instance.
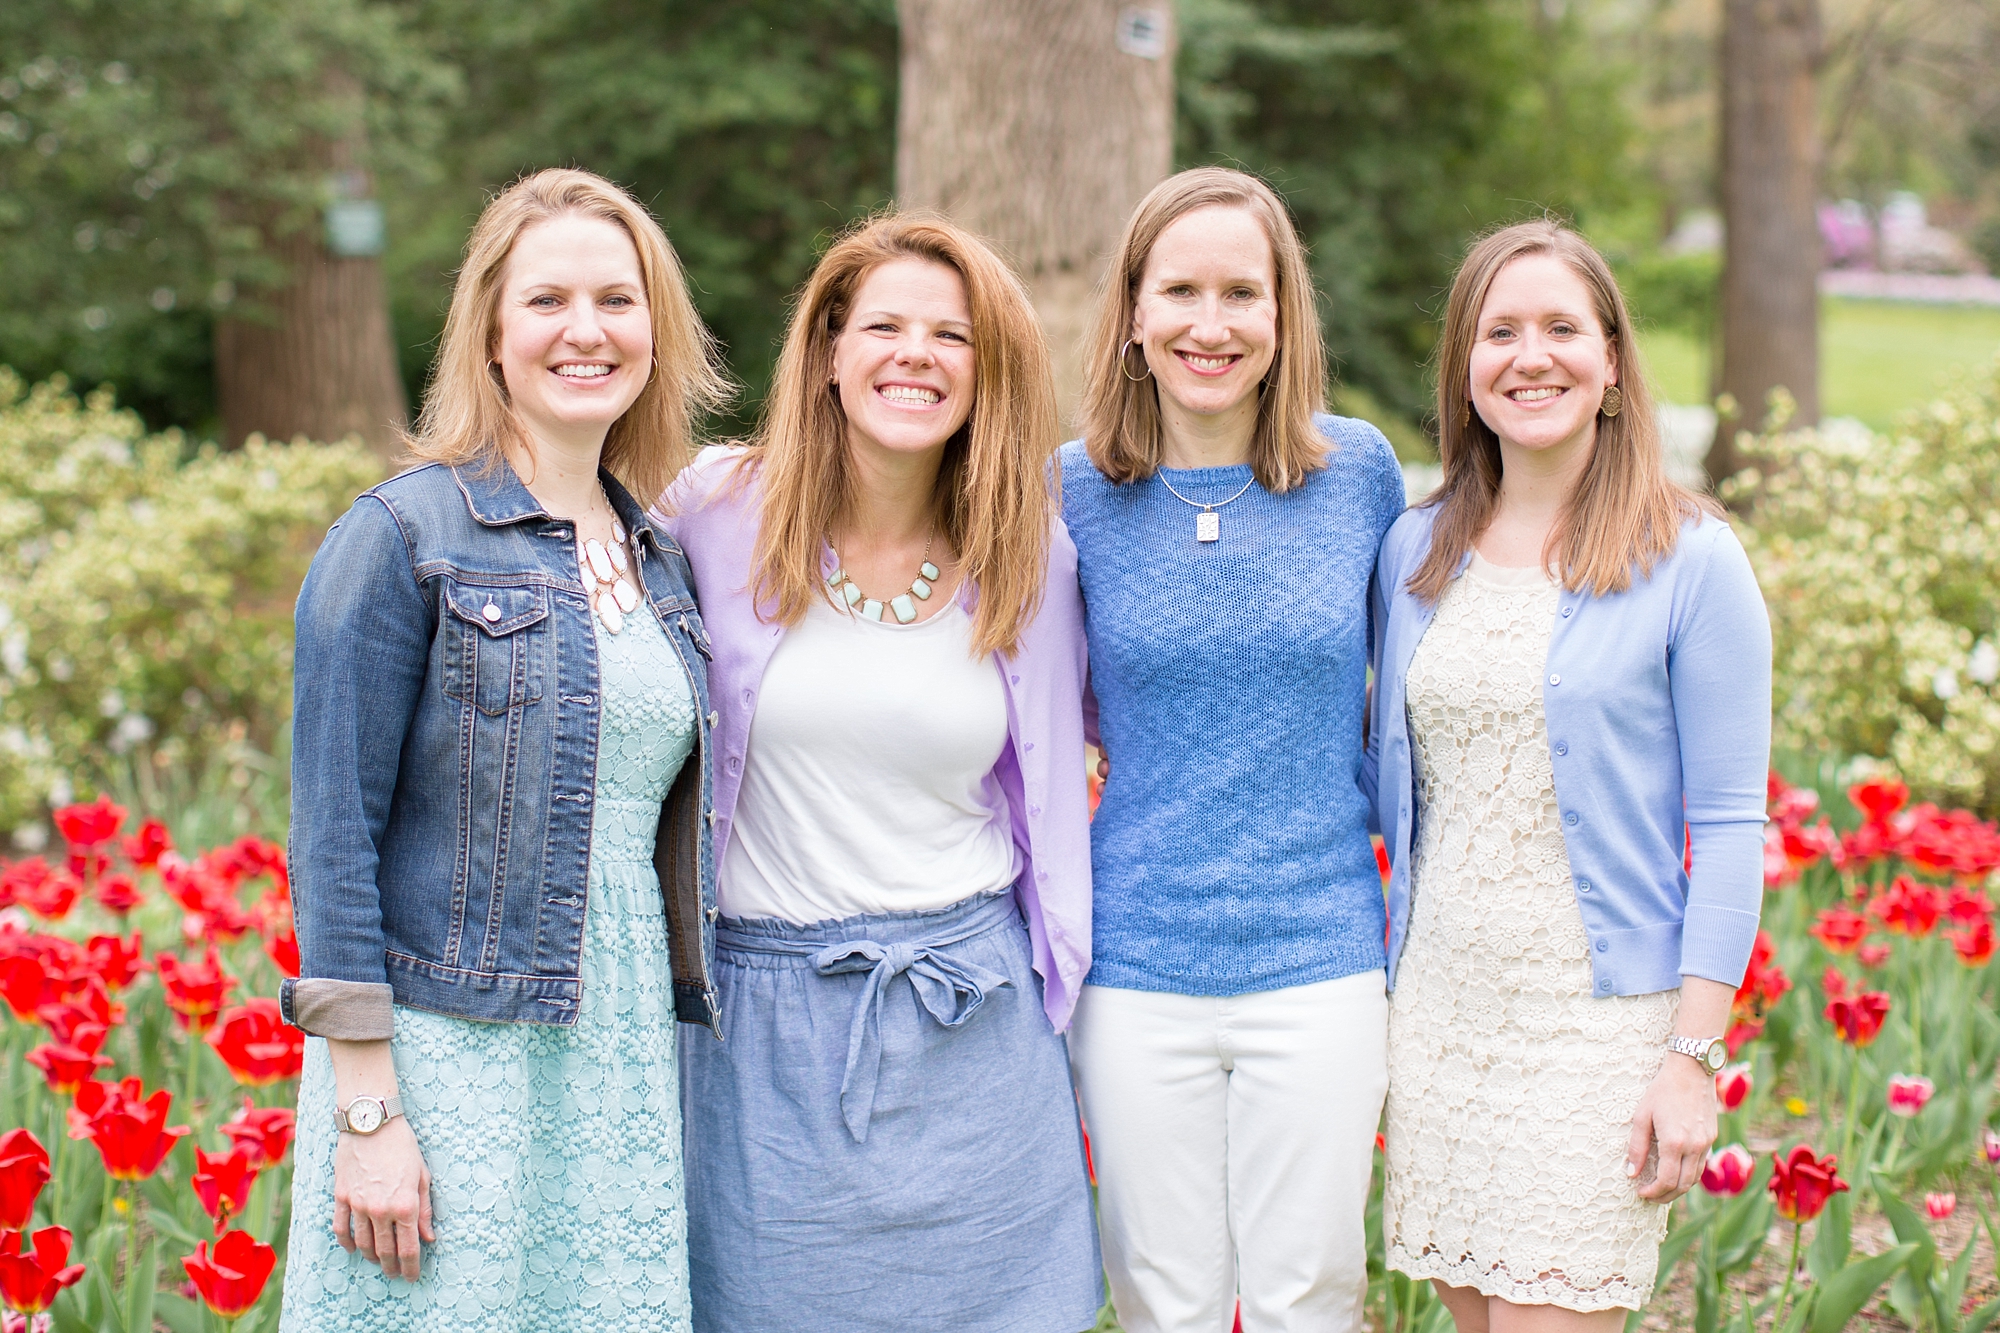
(1207, 311)
(1540, 357)
(903, 365)
(574, 338)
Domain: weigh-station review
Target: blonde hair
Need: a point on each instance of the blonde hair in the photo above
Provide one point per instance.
(1121, 416)
(467, 417)
(1625, 511)
(995, 498)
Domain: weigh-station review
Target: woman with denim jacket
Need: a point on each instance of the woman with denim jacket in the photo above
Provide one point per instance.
(1573, 691)
(500, 760)
(888, 1139)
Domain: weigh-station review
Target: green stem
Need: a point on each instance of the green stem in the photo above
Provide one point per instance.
(109, 1185)
(1917, 1020)
(1853, 1101)
(131, 1233)
(1791, 1271)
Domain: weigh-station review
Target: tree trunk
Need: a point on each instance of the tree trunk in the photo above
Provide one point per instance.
(1770, 180)
(1039, 124)
(318, 358)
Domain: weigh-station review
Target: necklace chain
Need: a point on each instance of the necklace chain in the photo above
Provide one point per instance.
(903, 608)
(1207, 523)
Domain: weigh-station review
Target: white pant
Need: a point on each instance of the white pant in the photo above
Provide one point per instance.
(1233, 1140)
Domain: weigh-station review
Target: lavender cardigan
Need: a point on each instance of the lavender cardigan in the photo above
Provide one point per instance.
(1041, 769)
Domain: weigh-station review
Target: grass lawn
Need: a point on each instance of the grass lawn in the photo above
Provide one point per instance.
(1877, 358)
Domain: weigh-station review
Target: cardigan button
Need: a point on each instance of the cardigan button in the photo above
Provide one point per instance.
(1603, 946)
(1570, 819)
(1568, 609)
(1555, 680)
(1562, 747)
(1583, 886)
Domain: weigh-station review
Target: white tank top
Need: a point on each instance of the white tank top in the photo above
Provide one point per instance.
(869, 783)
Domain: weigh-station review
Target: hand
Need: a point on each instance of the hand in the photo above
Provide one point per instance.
(1677, 1113)
(382, 1198)
(1103, 767)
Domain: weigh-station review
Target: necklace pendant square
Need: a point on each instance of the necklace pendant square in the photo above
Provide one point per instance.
(1208, 526)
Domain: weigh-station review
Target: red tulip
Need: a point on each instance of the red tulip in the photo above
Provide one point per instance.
(90, 825)
(1788, 804)
(117, 894)
(144, 848)
(132, 1135)
(23, 984)
(1834, 982)
(223, 1182)
(1974, 946)
(1954, 843)
(257, 1044)
(282, 947)
(48, 893)
(195, 991)
(231, 1279)
(1872, 956)
(1940, 1206)
(24, 1169)
(88, 1006)
(1732, 1086)
(1764, 982)
(1909, 1094)
(1968, 906)
(1728, 1170)
(265, 1130)
(1802, 1182)
(1859, 1017)
(1741, 1033)
(29, 1282)
(66, 1067)
(1909, 908)
(116, 961)
(1840, 929)
(1878, 798)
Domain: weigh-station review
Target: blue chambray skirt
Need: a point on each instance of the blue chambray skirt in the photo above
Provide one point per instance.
(888, 1139)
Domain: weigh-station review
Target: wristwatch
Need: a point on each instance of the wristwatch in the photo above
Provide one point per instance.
(365, 1115)
(1711, 1053)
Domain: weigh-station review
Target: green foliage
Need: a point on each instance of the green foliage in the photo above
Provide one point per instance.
(150, 150)
(1397, 130)
(1879, 557)
(145, 592)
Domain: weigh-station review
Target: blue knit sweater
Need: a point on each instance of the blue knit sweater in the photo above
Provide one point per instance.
(1231, 851)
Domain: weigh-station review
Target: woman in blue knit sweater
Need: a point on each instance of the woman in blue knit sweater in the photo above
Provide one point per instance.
(1229, 1043)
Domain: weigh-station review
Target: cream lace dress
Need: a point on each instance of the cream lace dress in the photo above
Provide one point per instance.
(1511, 1090)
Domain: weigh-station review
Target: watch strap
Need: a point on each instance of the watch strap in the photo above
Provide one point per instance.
(1696, 1048)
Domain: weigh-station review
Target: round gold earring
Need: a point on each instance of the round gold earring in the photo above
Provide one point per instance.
(1614, 401)
(1124, 363)
(1465, 413)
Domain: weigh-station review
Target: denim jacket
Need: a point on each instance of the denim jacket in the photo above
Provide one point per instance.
(444, 761)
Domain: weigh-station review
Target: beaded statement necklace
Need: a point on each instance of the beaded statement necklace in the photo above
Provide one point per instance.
(614, 597)
(905, 610)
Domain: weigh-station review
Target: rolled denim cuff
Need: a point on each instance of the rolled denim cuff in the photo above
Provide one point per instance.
(342, 1010)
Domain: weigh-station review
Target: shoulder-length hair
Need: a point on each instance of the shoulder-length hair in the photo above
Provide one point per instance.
(1121, 415)
(467, 417)
(1625, 512)
(994, 500)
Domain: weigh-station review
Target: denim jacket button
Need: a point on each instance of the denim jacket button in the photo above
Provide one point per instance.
(713, 718)
(491, 612)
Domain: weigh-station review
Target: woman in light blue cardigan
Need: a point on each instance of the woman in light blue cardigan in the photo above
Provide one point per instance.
(1573, 679)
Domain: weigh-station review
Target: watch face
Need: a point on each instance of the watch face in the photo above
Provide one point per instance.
(364, 1115)
(1717, 1056)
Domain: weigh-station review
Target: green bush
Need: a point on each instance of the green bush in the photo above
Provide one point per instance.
(146, 591)
(1879, 557)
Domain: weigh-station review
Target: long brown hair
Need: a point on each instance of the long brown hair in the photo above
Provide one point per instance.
(994, 498)
(1121, 416)
(467, 417)
(1625, 511)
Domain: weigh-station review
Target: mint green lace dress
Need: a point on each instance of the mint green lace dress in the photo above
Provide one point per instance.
(555, 1153)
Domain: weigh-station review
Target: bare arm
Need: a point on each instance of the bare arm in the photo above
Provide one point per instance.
(1678, 1110)
(381, 1187)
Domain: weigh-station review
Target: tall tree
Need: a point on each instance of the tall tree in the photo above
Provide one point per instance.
(1770, 186)
(1039, 124)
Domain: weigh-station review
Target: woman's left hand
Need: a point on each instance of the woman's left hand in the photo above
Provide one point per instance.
(1677, 1112)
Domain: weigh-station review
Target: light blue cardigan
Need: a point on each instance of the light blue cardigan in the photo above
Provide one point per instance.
(1658, 701)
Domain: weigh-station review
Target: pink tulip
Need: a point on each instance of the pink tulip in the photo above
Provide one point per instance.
(1940, 1206)
(1727, 1171)
(1989, 1147)
(1909, 1093)
(1732, 1086)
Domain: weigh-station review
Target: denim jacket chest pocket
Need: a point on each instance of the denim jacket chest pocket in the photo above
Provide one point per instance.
(496, 647)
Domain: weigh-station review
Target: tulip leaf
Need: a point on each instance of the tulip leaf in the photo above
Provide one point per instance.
(1796, 1320)
(1677, 1242)
(1832, 1239)
(140, 1285)
(1741, 1234)
(1910, 1230)
(1707, 1306)
(178, 1313)
(1842, 1295)
(1982, 1318)
(96, 1289)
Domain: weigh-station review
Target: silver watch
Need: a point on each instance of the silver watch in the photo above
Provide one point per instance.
(1711, 1053)
(365, 1115)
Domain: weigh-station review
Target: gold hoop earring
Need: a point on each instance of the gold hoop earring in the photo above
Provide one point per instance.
(1124, 364)
(1614, 401)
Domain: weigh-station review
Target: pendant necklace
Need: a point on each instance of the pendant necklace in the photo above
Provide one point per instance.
(904, 609)
(614, 597)
(1208, 523)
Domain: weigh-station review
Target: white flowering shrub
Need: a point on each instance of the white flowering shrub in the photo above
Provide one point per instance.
(1879, 557)
(146, 589)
